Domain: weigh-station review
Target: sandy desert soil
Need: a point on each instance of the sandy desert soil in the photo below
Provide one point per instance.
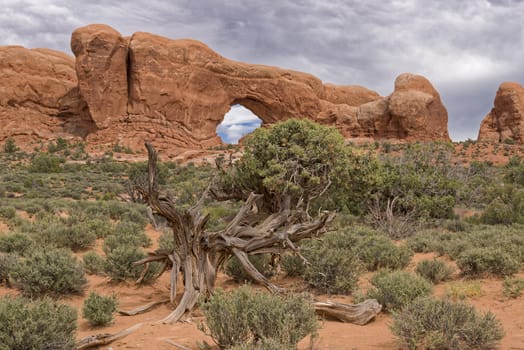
(332, 335)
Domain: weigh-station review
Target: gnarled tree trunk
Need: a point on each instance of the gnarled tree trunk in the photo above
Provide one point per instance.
(198, 253)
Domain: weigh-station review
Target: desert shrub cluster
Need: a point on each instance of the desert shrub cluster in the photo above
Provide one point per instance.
(397, 289)
(53, 207)
(479, 250)
(434, 270)
(36, 324)
(246, 319)
(336, 261)
(49, 271)
(99, 309)
(442, 324)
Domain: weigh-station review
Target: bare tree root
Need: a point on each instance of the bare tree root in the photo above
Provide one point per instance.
(359, 314)
(143, 308)
(105, 338)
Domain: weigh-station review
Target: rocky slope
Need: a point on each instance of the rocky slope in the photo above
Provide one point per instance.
(175, 93)
(506, 119)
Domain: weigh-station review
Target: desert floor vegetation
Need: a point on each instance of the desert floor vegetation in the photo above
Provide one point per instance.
(416, 228)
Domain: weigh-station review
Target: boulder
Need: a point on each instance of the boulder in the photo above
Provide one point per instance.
(506, 119)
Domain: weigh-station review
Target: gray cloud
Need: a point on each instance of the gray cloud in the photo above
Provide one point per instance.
(465, 48)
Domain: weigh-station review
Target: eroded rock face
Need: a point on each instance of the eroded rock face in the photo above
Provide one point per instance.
(506, 119)
(174, 93)
(33, 90)
(179, 91)
(101, 55)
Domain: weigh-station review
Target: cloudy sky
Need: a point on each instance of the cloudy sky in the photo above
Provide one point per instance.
(466, 48)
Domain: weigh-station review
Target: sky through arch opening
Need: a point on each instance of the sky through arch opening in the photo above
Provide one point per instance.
(238, 122)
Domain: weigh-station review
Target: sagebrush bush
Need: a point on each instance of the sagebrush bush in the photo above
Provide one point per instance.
(93, 263)
(49, 271)
(394, 290)
(331, 270)
(442, 324)
(100, 227)
(262, 262)
(98, 309)
(434, 270)
(378, 251)
(36, 325)
(15, 243)
(513, 287)
(334, 264)
(478, 262)
(7, 263)
(126, 233)
(293, 265)
(7, 212)
(244, 317)
(45, 163)
(119, 266)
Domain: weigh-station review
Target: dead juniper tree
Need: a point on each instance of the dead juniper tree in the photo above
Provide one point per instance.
(277, 179)
(198, 253)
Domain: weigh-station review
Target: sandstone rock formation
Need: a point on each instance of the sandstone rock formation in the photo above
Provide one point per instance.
(175, 93)
(37, 95)
(101, 54)
(506, 119)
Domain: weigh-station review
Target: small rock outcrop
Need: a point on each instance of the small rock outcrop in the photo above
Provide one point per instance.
(174, 93)
(506, 119)
(38, 99)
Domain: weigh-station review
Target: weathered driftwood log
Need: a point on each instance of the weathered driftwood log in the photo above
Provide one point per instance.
(143, 308)
(199, 253)
(104, 338)
(359, 314)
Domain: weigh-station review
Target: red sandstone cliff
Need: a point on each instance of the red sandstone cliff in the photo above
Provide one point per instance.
(176, 92)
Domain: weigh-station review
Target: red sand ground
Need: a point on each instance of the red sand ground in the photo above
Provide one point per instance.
(332, 335)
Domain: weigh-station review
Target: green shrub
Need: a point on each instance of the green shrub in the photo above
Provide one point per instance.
(477, 262)
(56, 232)
(332, 270)
(434, 270)
(7, 263)
(334, 264)
(7, 212)
(49, 271)
(262, 262)
(119, 264)
(394, 290)
(10, 146)
(98, 309)
(45, 163)
(513, 287)
(244, 317)
(293, 265)
(378, 251)
(93, 263)
(166, 240)
(15, 243)
(36, 325)
(442, 324)
(126, 233)
(99, 227)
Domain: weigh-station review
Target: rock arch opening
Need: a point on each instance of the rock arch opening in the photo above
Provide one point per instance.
(238, 122)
